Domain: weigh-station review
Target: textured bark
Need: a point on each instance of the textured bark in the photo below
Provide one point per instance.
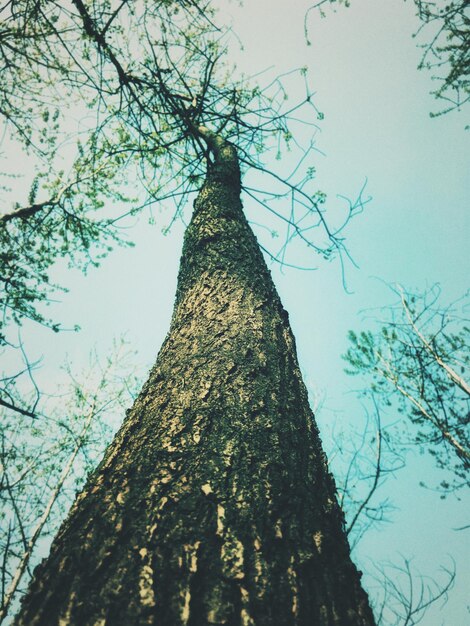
(214, 504)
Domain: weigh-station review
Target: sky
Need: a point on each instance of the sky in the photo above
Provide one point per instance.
(414, 231)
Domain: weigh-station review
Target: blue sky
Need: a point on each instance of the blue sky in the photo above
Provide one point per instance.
(415, 231)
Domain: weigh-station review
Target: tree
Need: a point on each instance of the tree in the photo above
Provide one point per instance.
(446, 49)
(420, 359)
(214, 503)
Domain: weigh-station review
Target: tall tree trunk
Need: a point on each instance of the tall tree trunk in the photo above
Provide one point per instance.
(213, 504)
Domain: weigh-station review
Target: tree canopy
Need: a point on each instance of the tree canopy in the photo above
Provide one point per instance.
(97, 94)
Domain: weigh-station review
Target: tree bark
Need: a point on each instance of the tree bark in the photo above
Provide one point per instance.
(214, 503)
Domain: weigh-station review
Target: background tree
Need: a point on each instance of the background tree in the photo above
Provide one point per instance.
(44, 462)
(367, 461)
(447, 52)
(405, 595)
(400, 594)
(419, 359)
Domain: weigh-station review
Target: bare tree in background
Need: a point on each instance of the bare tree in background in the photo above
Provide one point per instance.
(419, 359)
(363, 461)
(45, 459)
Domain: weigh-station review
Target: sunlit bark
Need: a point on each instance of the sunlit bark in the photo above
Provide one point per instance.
(214, 503)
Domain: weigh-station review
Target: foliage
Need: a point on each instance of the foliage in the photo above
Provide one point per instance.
(419, 360)
(118, 68)
(114, 104)
(447, 51)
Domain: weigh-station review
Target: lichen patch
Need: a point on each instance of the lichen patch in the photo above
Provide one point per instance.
(191, 552)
